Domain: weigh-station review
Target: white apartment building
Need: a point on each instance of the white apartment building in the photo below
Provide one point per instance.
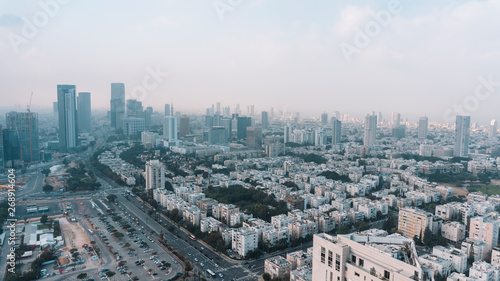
(155, 175)
(244, 240)
(457, 257)
(453, 231)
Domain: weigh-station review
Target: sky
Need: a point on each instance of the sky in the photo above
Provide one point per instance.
(433, 58)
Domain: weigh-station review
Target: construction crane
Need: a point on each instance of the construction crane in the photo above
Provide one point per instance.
(29, 124)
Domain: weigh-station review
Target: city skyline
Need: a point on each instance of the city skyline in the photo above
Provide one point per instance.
(293, 60)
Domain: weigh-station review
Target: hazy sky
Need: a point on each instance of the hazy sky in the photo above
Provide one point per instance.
(428, 56)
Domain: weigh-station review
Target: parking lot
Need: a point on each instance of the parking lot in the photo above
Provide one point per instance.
(137, 255)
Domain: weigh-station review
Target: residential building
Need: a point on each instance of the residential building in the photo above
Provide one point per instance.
(244, 240)
(84, 115)
(462, 133)
(277, 267)
(370, 130)
(155, 175)
(66, 101)
(484, 229)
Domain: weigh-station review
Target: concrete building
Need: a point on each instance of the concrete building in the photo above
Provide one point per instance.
(370, 130)
(423, 124)
(24, 143)
(170, 128)
(457, 257)
(133, 126)
(484, 229)
(336, 131)
(453, 231)
(155, 175)
(277, 267)
(351, 257)
(84, 112)
(254, 137)
(184, 126)
(462, 134)
(117, 105)
(244, 240)
(66, 101)
(413, 222)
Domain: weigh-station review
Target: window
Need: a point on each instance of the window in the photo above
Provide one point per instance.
(322, 254)
(331, 276)
(361, 262)
(387, 274)
(356, 274)
(330, 258)
(353, 258)
(337, 262)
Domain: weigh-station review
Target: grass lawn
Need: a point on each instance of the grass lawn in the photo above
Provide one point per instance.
(488, 189)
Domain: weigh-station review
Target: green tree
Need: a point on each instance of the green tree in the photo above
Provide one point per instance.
(44, 219)
(82, 276)
(266, 276)
(110, 273)
(47, 188)
(111, 198)
(46, 172)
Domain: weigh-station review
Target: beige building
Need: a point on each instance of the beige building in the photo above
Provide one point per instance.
(413, 222)
(277, 267)
(484, 229)
(356, 258)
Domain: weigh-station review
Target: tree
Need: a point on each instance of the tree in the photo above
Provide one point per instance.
(66, 161)
(44, 219)
(82, 276)
(266, 276)
(110, 273)
(46, 172)
(427, 236)
(111, 198)
(47, 188)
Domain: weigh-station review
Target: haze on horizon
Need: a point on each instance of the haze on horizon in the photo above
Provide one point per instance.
(429, 56)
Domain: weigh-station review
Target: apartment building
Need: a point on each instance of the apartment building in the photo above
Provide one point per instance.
(277, 267)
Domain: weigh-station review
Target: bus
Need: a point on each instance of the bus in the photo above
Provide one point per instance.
(192, 237)
(211, 273)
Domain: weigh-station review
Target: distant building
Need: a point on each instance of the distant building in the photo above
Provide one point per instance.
(133, 126)
(423, 124)
(184, 127)
(413, 222)
(324, 118)
(66, 100)
(23, 128)
(370, 131)
(462, 130)
(241, 127)
(254, 137)
(265, 120)
(84, 112)
(399, 132)
(336, 130)
(135, 109)
(396, 119)
(274, 147)
(167, 110)
(492, 134)
(170, 128)
(217, 135)
(117, 105)
(155, 175)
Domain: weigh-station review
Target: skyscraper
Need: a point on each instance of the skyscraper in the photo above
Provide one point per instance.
(117, 105)
(155, 175)
(184, 127)
(55, 109)
(396, 119)
(66, 100)
(493, 129)
(265, 120)
(241, 128)
(370, 130)
(462, 130)
(254, 137)
(287, 136)
(167, 109)
(324, 118)
(336, 129)
(135, 109)
(170, 128)
(84, 112)
(24, 128)
(422, 127)
(147, 116)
